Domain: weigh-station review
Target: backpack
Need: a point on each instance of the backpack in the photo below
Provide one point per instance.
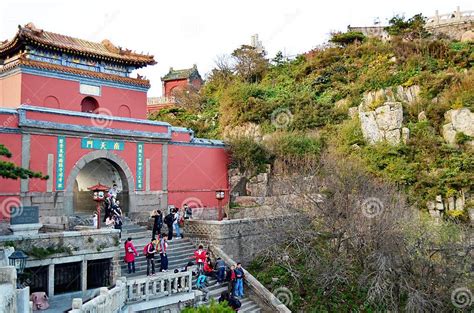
(169, 219)
(145, 249)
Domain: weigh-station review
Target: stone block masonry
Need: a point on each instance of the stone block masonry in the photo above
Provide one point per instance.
(241, 239)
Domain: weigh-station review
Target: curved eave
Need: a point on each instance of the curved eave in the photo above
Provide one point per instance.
(23, 38)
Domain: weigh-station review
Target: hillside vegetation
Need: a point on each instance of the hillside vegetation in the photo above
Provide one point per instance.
(305, 102)
(295, 115)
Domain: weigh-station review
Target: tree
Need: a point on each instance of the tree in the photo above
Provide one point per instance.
(344, 39)
(357, 241)
(413, 28)
(12, 171)
(250, 64)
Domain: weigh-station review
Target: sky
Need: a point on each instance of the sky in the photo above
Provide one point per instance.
(182, 33)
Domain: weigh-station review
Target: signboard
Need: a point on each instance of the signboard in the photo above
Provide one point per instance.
(61, 163)
(99, 144)
(89, 90)
(24, 215)
(140, 157)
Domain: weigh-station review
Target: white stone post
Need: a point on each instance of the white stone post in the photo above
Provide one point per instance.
(23, 300)
(84, 275)
(50, 280)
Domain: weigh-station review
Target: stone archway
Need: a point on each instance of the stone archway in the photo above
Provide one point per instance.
(115, 160)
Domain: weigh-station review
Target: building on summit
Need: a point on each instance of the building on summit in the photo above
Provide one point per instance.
(70, 109)
(174, 82)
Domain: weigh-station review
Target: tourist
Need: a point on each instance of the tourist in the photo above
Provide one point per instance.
(107, 207)
(114, 191)
(116, 210)
(163, 248)
(150, 257)
(220, 266)
(239, 281)
(176, 221)
(130, 254)
(208, 269)
(157, 223)
(188, 212)
(230, 277)
(109, 222)
(201, 284)
(94, 220)
(118, 224)
(200, 255)
(169, 223)
(231, 301)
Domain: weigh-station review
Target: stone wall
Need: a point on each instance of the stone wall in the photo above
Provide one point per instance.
(66, 247)
(241, 239)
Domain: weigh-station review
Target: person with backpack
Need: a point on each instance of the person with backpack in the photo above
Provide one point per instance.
(176, 222)
(220, 266)
(200, 255)
(149, 251)
(130, 254)
(157, 223)
(201, 284)
(169, 219)
(234, 303)
(239, 281)
(163, 249)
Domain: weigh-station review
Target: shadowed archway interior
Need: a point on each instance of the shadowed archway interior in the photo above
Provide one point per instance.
(102, 171)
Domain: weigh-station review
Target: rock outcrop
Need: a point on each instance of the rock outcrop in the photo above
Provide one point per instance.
(458, 121)
(247, 130)
(407, 95)
(383, 124)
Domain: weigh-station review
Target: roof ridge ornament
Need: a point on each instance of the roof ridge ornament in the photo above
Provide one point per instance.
(30, 26)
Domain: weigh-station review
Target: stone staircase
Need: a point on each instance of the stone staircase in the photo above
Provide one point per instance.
(180, 252)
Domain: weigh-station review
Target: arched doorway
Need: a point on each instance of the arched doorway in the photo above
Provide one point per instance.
(101, 171)
(89, 105)
(97, 166)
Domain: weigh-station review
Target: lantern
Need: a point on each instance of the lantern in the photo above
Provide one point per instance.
(98, 195)
(18, 260)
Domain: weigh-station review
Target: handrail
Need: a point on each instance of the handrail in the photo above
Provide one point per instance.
(260, 291)
(133, 290)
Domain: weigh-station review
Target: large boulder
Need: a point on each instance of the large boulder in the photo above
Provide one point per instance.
(458, 121)
(384, 123)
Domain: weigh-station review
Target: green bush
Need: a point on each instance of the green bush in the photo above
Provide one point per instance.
(213, 307)
(347, 38)
(248, 155)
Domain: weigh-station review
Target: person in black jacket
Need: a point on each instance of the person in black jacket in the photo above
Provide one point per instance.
(157, 223)
(169, 220)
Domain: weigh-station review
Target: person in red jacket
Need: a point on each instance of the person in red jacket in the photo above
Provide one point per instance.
(200, 255)
(208, 269)
(130, 253)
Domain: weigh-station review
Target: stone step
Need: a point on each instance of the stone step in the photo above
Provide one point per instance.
(180, 252)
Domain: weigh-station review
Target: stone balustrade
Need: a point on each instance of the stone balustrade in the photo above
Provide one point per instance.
(107, 301)
(258, 292)
(456, 17)
(153, 287)
(133, 291)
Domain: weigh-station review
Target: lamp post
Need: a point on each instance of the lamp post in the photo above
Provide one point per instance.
(18, 260)
(98, 195)
(220, 195)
